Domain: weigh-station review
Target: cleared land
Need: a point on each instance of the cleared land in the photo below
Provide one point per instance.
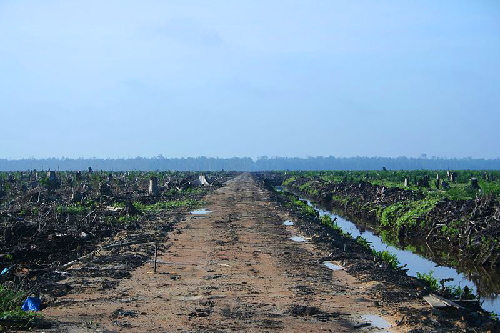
(235, 269)
(238, 269)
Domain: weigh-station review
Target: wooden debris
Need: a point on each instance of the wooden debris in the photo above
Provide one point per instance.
(439, 302)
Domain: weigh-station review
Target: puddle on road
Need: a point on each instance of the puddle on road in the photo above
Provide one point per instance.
(376, 321)
(288, 223)
(332, 266)
(298, 239)
(188, 298)
(201, 211)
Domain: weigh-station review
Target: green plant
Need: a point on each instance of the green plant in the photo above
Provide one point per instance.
(165, 205)
(459, 292)
(430, 279)
(10, 308)
(289, 181)
(71, 209)
(406, 213)
(10, 299)
(363, 242)
(388, 257)
(127, 218)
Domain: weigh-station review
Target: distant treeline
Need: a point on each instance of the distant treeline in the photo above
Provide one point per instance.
(247, 164)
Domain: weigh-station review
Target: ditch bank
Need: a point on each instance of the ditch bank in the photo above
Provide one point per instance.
(395, 287)
(469, 228)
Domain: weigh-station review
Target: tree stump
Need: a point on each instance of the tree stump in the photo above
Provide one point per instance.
(474, 184)
(453, 177)
(105, 189)
(52, 179)
(76, 196)
(153, 186)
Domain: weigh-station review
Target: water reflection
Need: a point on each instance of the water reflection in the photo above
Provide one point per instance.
(298, 239)
(484, 283)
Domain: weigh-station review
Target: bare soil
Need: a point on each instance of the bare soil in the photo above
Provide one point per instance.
(235, 269)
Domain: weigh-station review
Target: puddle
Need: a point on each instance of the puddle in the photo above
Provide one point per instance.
(201, 211)
(288, 223)
(332, 266)
(376, 321)
(298, 239)
(188, 298)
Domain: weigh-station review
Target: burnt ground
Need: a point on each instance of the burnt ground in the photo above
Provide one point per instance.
(236, 269)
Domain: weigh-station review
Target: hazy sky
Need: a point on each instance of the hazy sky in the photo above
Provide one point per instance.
(249, 78)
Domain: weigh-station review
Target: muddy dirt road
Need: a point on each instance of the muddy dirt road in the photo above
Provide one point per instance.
(234, 269)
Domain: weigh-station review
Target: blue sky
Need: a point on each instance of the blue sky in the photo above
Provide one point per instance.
(249, 78)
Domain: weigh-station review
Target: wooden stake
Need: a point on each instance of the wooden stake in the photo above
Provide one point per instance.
(156, 255)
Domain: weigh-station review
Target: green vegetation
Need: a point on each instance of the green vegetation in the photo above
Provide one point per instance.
(76, 209)
(10, 307)
(166, 205)
(459, 189)
(456, 292)
(327, 220)
(128, 218)
(438, 205)
(406, 213)
(390, 258)
(363, 242)
(429, 278)
(10, 300)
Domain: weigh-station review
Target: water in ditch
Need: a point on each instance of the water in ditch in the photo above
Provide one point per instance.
(414, 262)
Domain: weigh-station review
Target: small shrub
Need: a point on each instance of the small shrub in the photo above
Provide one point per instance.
(429, 278)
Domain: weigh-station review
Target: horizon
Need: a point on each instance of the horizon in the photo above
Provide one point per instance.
(203, 163)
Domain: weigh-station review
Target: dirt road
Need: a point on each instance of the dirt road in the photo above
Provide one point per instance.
(234, 269)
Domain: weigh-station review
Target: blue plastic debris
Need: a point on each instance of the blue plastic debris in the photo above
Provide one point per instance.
(5, 271)
(31, 304)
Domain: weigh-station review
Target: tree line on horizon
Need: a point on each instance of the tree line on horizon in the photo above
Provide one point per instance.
(247, 164)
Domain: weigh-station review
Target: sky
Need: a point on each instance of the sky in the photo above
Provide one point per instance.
(121, 78)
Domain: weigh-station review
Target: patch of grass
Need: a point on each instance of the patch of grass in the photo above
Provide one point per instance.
(10, 309)
(167, 205)
(10, 300)
(72, 210)
(128, 218)
(118, 204)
